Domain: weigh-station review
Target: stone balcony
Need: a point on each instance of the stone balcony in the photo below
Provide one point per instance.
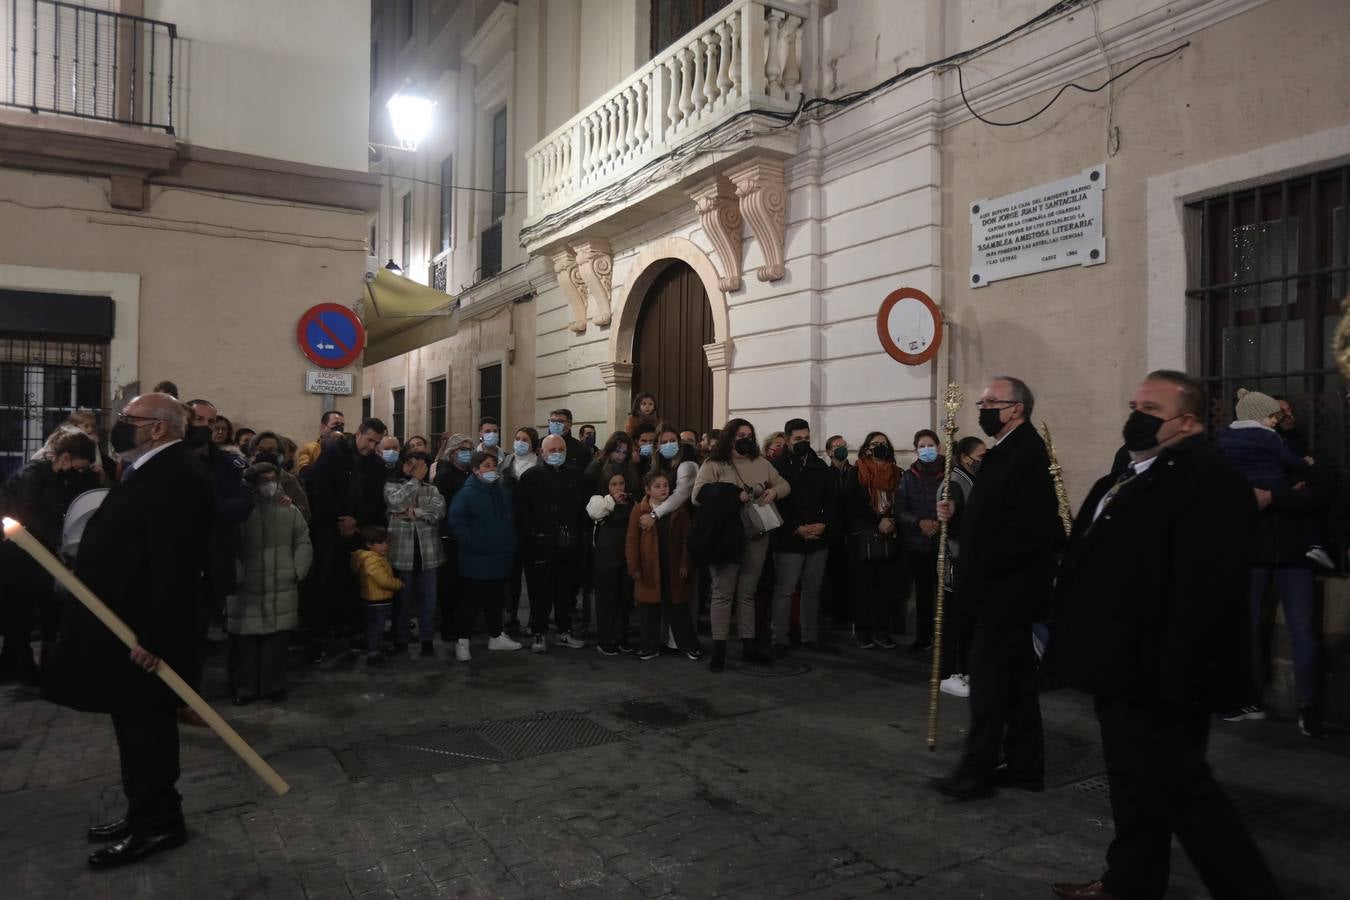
(707, 121)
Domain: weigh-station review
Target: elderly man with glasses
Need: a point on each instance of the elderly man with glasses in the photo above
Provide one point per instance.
(1010, 531)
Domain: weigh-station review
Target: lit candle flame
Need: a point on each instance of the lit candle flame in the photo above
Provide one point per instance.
(11, 525)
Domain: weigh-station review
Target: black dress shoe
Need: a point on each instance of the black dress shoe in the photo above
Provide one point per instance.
(110, 831)
(964, 786)
(134, 848)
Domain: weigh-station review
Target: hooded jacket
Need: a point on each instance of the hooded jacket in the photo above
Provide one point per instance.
(274, 557)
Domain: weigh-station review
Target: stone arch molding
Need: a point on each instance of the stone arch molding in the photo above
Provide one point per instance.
(617, 373)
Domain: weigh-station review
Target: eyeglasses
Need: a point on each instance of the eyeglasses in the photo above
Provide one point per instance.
(993, 403)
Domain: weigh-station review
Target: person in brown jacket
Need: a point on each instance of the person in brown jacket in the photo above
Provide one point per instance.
(658, 560)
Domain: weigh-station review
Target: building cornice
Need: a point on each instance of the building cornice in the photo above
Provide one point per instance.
(494, 38)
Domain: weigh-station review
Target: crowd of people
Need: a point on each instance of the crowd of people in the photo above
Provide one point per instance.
(361, 542)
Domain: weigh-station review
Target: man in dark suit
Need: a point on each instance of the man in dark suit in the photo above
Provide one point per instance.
(1010, 532)
(143, 553)
(1148, 610)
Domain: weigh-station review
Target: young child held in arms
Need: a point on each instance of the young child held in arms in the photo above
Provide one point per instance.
(1255, 449)
(378, 586)
(658, 561)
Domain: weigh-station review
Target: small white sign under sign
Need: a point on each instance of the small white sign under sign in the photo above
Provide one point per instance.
(1039, 229)
(329, 383)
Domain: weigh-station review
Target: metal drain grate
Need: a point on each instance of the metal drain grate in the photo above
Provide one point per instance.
(1249, 802)
(780, 669)
(1070, 759)
(443, 749)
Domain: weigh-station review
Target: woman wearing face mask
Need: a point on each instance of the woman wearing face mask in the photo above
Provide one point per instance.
(274, 555)
(524, 456)
(483, 523)
(618, 455)
(737, 462)
(958, 628)
(870, 495)
(643, 411)
(774, 445)
(917, 508)
(390, 452)
(416, 513)
(267, 448)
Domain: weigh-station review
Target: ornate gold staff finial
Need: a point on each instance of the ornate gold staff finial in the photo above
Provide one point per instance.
(1057, 474)
(952, 399)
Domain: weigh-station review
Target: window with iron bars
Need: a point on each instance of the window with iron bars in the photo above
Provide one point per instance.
(1266, 295)
(41, 383)
(436, 410)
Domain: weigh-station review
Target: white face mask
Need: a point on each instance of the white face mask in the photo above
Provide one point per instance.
(269, 490)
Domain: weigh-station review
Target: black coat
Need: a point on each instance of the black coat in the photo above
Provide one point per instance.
(342, 482)
(551, 513)
(919, 489)
(579, 455)
(813, 501)
(1010, 532)
(717, 535)
(449, 480)
(143, 554)
(1292, 522)
(234, 504)
(1151, 596)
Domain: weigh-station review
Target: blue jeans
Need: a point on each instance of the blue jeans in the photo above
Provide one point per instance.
(1294, 586)
(376, 615)
(418, 593)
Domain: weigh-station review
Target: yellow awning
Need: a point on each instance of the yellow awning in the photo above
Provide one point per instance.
(395, 303)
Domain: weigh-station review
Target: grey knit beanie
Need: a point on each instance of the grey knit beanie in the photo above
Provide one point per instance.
(1255, 406)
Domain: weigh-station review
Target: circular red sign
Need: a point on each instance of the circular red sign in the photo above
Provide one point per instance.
(331, 335)
(884, 330)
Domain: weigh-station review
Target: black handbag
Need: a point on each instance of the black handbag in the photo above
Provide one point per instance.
(873, 546)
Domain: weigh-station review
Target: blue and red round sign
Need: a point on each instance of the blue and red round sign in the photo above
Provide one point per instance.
(330, 335)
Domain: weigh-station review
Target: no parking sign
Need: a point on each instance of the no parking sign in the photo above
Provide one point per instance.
(330, 335)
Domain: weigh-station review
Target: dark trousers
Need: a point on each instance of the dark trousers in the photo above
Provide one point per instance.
(958, 630)
(258, 663)
(447, 587)
(22, 597)
(839, 577)
(1005, 712)
(513, 585)
(147, 744)
(613, 600)
(476, 596)
(1160, 786)
(923, 568)
(874, 597)
(553, 589)
(332, 589)
(649, 618)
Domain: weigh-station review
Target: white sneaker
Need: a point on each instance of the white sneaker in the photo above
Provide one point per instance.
(567, 639)
(955, 685)
(539, 645)
(1319, 556)
(462, 650)
(502, 642)
(670, 642)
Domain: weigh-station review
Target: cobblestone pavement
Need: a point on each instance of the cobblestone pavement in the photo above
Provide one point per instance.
(691, 785)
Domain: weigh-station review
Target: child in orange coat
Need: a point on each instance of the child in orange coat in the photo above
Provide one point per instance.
(658, 561)
(377, 581)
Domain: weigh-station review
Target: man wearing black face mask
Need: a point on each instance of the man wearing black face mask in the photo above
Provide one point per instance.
(1010, 531)
(1148, 610)
(234, 504)
(801, 545)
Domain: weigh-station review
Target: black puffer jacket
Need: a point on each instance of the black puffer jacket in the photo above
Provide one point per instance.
(813, 500)
(919, 489)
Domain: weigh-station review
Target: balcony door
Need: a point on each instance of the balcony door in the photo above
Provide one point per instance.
(673, 326)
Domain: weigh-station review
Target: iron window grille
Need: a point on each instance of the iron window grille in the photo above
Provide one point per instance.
(436, 410)
(490, 392)
(41, 383)
(399, 417)
(1266, 298)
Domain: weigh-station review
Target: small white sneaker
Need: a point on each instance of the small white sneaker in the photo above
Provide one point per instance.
(462, 650)
(502, 642)
(567, 639)
(539, 645)
(955, 685)
(1319, 556)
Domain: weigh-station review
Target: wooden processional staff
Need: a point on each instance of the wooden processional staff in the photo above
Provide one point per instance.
(951, 401)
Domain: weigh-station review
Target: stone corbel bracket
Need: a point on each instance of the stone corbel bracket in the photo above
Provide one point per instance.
(720, 214)
(595, 262)
(762, 192)
(573, 287)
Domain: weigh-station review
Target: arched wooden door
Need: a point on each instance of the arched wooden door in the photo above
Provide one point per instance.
(674, 324)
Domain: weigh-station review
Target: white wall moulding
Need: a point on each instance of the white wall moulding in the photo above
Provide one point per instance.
(573, 287)
(720, 213)
(748, 58)
(616, 373)
(595, 262)
(763, 199)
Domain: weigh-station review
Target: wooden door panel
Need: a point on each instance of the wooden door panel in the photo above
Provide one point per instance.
(673, 326)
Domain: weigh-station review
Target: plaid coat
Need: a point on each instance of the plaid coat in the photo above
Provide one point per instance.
(423, 532)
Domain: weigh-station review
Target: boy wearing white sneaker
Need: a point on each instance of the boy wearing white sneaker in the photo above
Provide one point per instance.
(482, 520)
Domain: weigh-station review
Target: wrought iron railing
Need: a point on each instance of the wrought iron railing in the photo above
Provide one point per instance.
(71, 60)
(440, 272)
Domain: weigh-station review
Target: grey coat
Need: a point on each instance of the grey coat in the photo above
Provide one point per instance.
(274, 556)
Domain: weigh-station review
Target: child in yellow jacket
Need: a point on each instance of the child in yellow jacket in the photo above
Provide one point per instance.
(376, 578)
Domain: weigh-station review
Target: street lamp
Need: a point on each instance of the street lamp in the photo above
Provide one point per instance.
(410, 113)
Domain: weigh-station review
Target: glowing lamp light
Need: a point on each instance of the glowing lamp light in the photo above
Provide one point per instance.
(410, 113)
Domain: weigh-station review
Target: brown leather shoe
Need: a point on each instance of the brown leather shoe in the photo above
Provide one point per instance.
(1091, 891)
